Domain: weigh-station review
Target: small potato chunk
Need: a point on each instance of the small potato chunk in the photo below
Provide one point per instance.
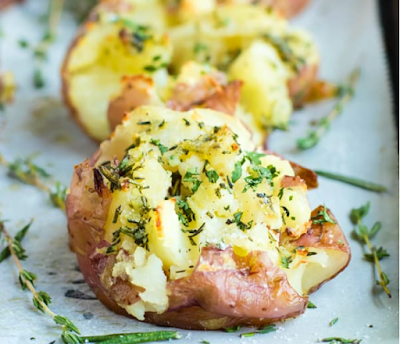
(166, 239)
(264, 91)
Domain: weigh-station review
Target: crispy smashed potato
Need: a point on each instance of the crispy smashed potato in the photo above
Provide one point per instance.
(177, 220)
(235, 53)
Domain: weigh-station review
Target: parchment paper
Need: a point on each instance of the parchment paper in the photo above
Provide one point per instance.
(361, 143)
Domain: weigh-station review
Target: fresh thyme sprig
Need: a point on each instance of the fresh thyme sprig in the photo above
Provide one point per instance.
(363, 235)
(27, 172)
(27, 280)
(352, 181)
(41, 300)
(323, 125)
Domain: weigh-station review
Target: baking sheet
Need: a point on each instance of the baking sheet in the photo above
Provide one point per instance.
(361, 143)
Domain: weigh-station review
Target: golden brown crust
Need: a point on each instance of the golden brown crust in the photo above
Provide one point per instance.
(309, 176)
(306, 174)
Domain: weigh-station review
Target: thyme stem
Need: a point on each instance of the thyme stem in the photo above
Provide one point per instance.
(352, 181)
(323, 125)
(377, 263)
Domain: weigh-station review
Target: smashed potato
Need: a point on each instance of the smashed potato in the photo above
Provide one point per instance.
(177, 220)
(125, 42)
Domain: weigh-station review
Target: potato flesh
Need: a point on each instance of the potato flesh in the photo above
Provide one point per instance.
(144, 270)
(267, 98)
(168, 237)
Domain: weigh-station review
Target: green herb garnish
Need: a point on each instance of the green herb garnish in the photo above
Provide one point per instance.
(237, 172)
(266, 329)
(237, 219)
(187, 215)
(193, 233)
(189, 177)
(286, 261)
(363, 235)
(160, 146)
(323, 125)
(322, 217)
(311, 305)
(333, 322)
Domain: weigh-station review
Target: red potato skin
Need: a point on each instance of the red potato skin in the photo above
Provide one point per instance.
(6, 3)
(136, 91)
(301, 85)
(288, 8)
(208, 93)
(214, 296)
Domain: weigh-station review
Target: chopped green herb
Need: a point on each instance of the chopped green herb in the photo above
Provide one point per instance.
(187, 215)
(311, 305)
(161, 147)
(254, 157)
(266, 329)
(286, 261)
(117, 213)
(322, 217)
(38, 79)
(232, 329)
(237, 219)
(212, 176)
(237, 172)
(189, 177)
(194, 232)
(333, 321)
(23, 43)
(199, 47)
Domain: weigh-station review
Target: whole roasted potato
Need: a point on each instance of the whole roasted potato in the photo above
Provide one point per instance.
(177, 221)
(127, 42)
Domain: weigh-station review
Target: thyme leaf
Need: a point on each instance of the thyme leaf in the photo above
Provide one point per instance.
(322, 217)
(160, 146)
